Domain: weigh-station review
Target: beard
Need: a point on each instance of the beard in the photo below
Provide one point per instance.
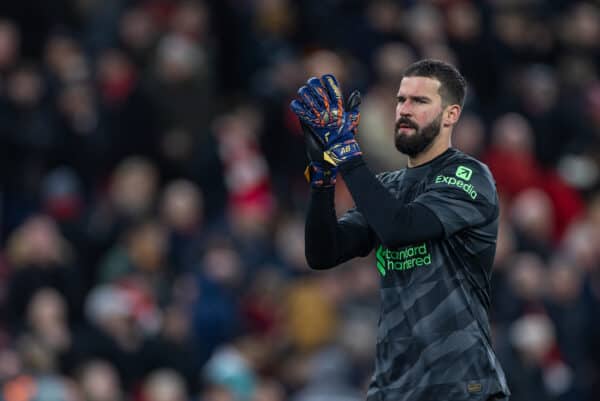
(414, 144)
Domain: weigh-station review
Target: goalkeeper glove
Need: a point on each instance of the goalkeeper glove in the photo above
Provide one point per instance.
(321, 112)
(318, 172)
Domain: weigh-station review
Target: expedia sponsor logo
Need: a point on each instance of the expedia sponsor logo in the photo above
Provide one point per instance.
(468, 188)
(403, 258)
(464, 172)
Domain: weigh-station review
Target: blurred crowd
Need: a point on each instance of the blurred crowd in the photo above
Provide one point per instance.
(152, 197)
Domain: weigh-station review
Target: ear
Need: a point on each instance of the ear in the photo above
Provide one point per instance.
(451, 115)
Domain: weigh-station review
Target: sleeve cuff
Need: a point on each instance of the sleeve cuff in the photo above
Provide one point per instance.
(351, 164)
(322, 191)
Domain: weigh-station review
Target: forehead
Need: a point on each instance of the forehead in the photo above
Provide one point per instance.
(419, 86)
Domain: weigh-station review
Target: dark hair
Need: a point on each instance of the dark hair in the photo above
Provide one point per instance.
(453, 85)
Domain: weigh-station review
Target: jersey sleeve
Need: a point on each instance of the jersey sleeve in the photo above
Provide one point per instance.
(361, 240)
(329, 241)
(461, 195)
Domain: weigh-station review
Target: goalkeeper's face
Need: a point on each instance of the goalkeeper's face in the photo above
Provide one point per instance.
(418, 114)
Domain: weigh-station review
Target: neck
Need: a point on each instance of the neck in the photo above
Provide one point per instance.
(437, 147)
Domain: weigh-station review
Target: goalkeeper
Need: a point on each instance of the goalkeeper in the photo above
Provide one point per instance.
(433, 226)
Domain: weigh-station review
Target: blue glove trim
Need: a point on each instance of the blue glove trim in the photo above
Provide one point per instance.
(320, 176)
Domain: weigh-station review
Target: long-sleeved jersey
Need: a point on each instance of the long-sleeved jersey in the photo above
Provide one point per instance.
(433, 229)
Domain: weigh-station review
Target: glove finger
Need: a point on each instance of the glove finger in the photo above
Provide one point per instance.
(319, 92)
(353, 112)
(311, 102)
(330, 113)
(353, 119)
(301, 110)
(353, 101)
(335, 94)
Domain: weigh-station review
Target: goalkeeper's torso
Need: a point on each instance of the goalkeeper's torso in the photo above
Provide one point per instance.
(434, 335)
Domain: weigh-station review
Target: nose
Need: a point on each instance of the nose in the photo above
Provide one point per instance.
(403, 110)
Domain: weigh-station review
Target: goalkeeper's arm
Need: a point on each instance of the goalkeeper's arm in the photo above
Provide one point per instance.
(329, 242)
(378, 219)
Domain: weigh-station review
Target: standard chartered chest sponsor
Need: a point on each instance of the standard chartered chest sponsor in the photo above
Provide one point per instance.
(405, 258)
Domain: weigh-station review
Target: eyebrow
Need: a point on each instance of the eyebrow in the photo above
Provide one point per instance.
(417, 98)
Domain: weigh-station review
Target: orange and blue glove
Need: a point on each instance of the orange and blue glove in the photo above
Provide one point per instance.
(329, 128)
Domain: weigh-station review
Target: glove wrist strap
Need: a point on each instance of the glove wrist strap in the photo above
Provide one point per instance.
(341, 152)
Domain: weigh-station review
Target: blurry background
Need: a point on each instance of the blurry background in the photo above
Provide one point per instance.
(152, 197)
